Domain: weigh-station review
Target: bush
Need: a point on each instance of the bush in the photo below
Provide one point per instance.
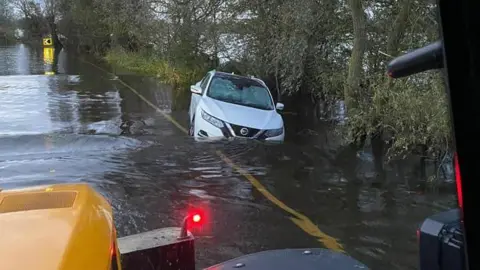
(411, 112)
(180, 78)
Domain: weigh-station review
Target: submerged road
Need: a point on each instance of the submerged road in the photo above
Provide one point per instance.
(121, 136)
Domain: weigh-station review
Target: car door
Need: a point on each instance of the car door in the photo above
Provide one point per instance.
(196, 97)
(194, 100)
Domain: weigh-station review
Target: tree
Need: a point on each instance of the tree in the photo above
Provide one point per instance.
(7, 26)
(353, 84)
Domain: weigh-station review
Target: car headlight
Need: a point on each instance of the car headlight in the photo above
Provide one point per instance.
(274, 132)
(212, 120)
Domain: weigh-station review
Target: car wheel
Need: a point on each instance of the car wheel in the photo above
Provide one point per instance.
(191, 130)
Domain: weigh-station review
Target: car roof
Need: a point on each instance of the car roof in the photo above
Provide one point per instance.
(231, 75)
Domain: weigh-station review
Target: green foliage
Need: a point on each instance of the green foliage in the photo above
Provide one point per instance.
(144, 63)
(417, 114)
(411, 112)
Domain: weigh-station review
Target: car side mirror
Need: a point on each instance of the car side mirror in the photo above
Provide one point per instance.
(196, 89)
(280, 106)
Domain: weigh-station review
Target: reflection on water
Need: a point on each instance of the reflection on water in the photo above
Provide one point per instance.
(23, 55)
(44, 127)
(49, 60)
(79, 125)
(20, 60)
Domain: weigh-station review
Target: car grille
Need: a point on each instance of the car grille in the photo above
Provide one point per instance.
(251, 131)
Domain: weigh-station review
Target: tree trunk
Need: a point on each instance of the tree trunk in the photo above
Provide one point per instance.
(395, 37)
(352, 89)
(396, 34)
(355, 69)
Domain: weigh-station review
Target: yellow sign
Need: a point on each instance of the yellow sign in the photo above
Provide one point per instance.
(47, 42)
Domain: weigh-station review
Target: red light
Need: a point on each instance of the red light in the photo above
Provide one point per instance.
(458, 181)
(196, 218)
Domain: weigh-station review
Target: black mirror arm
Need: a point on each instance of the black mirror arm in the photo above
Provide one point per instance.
(420, 60)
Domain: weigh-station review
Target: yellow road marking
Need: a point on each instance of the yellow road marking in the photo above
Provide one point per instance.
(298, 219)
(168, 117)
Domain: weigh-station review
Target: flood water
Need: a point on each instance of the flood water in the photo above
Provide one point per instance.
(80, 125)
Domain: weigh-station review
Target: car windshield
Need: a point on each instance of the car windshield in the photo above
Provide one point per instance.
(241, 91)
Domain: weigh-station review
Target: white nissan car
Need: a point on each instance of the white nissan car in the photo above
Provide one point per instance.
(225, 105)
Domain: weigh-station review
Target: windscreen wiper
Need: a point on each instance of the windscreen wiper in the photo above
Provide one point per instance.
(419, 60)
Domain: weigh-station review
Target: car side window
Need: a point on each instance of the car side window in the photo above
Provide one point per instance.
(205, 80)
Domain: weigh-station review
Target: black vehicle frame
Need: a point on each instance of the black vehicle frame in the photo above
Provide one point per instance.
(459, 54)
(460, 32)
